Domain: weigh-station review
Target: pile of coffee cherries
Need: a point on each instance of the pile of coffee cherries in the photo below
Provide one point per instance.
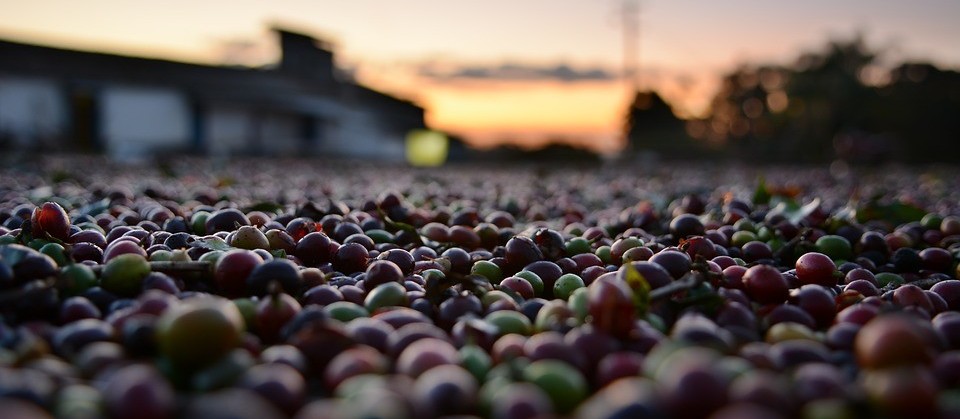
(271, 289)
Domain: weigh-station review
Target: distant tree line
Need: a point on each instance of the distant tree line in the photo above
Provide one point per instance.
(833, 104)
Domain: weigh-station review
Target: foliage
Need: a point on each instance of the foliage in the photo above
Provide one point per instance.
(836, 103)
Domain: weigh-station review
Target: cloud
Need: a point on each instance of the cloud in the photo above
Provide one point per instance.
(516, 72)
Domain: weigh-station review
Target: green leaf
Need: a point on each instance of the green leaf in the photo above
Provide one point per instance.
(266, 206)
(640, 287)
(793, 211)
(761, 195)
(895, 213)
(212, 243)
(434, 283)
(279, 254)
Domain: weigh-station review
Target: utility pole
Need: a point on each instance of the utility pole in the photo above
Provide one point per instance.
(630, 14)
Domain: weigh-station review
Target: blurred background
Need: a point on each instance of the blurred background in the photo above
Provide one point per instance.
(859, 81)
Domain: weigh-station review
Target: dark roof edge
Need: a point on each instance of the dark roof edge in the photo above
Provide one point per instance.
(48, 50)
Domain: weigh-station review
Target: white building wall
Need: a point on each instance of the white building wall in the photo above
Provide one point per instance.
(31, 109)
(137, 120)
(238, 131)
(359, 135)
(280, 134)
(228, 131)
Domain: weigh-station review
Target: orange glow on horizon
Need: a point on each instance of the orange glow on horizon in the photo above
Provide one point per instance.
(529, 105)
(530, 113)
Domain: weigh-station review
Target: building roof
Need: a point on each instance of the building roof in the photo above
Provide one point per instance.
(269, 88)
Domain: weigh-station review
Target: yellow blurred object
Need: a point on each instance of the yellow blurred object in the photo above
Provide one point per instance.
(426, 148)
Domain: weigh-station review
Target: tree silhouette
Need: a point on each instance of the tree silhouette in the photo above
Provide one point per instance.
(822, 108)
(920, 109)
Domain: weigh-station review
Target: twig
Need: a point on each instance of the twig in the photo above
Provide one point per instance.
(688, 281)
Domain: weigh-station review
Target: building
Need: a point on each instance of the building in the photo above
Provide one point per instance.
(131, 107)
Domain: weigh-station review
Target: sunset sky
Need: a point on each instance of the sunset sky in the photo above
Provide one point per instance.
(495, 70)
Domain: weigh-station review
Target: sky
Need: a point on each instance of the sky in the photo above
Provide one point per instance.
(496, 71)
